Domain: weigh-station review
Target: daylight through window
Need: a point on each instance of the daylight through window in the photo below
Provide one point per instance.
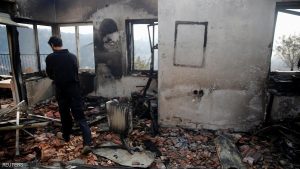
(44, 33)
(141, 45)
(5, 66)
(83, 46)
(286, 45)
(28, 53)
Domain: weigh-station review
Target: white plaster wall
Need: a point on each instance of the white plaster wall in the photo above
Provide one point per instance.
(119, 12)
(236, 64)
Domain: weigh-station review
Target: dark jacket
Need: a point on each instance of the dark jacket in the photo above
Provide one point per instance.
(62, 68)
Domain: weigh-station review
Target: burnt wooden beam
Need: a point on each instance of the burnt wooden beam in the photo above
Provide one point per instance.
(34, 125)
(14, 51)
(228, 153)
(289, 12)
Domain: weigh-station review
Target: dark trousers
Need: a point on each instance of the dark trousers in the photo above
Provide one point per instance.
(69, 98)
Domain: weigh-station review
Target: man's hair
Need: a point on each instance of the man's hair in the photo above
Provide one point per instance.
(55, 41)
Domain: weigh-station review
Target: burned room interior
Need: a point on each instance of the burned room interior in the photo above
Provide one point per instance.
(164, 83)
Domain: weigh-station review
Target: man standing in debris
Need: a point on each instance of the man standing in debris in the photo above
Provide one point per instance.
(62, 68)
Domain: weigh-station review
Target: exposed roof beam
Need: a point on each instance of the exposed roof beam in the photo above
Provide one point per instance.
(290, 12)
(5, 19)
(12, 1)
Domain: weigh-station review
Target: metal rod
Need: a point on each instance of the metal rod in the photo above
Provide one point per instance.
(132, 48)
(34, 125)
(17, 133)
(43, 117)
(152, 50)
(151, 41)
(77, 45)
(36, 40)
(10, 121)
(28, 132)
(19, 107)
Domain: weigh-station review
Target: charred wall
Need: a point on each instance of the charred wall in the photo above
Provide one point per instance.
(285, 107)
(283, 95)
(108, 18)
(8, 7)
(110, 45)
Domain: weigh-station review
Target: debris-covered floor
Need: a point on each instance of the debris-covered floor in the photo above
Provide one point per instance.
(6, 99)
(272, 147)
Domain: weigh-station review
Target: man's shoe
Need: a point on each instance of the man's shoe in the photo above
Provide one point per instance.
(61, 136)
(66, 138)
(86, 150)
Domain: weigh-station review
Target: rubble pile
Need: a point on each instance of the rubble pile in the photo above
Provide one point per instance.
(6, 102)
(271, 147)
(48, 148)
(275, 146)
(47, 108)
(180, 148)
(6, 97)
(258, 153)
(174, 147)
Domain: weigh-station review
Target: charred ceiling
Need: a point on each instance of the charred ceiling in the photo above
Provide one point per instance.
(82, 10)
(65, 11)
(151, 6)
(7, 6)
(79, 10)
(42, 10)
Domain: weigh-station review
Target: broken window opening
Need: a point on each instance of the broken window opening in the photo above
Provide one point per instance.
(34, 48)
(86, 47)
(79, 40)
(286, 44)
(7, 94)
(28, 52)
(5, 64)
(283, 80)
(153, 38)
(67, 34)
(44, 33)
(142, 45)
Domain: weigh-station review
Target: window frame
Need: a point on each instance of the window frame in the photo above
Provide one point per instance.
(36, 43)
(280, 7)
(130, 44)
(76, 25)
(9, 52)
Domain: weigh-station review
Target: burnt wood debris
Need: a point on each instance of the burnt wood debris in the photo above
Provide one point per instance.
(272, 146)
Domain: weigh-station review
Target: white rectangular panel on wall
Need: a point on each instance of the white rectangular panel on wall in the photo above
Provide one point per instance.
(190, 43)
